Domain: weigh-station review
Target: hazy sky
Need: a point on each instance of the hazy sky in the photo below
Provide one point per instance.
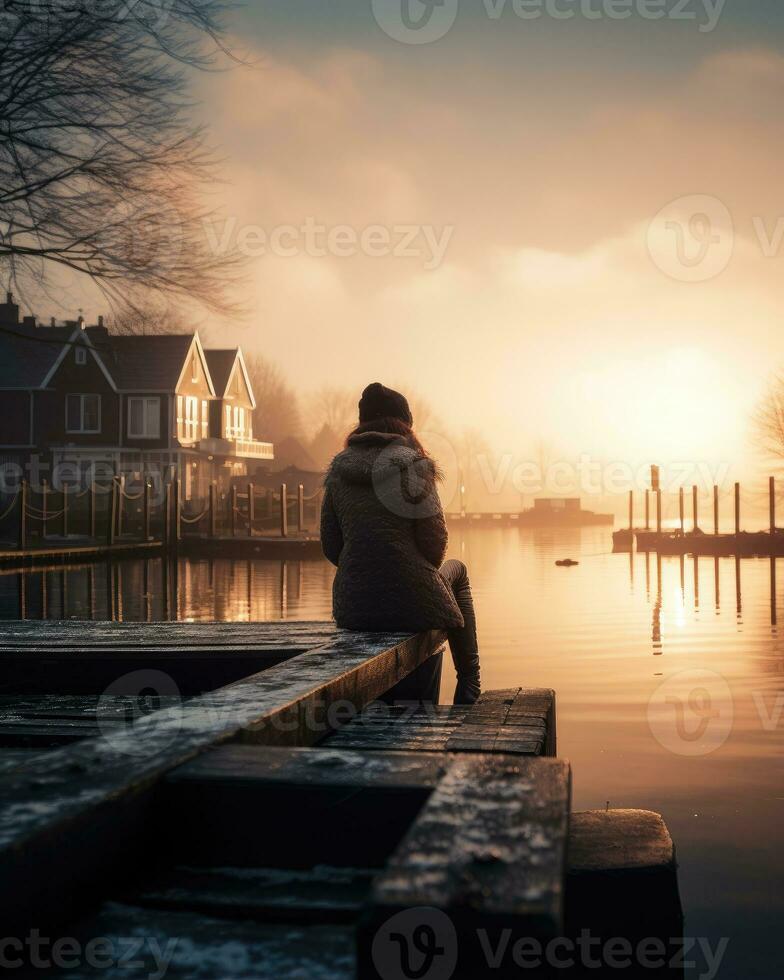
(527, 161)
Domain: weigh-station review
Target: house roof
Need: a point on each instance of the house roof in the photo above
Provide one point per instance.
(152, 362)
(27, 354)
(220, 363)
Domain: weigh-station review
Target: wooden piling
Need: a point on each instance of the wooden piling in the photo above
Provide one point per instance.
(177, 515)
(658, 511)
(167, 535)
(737, 508)
(146, 510)
(91, 510)
(120, 498)
(111, 517)
(647, 511)
(631, 510)
(694, 505)
(715, 509)
(23, 514)
(284, 517)
(65, 510)
(44, 501)
(772, 503)
(300, 508)
(233, 506)
(680, 509)
(213, 514)
(251, 510)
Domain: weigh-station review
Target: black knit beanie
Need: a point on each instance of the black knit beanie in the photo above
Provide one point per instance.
(378, 402)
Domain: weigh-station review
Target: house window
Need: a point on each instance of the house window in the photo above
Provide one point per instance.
(187, 418)
(80, 355)
(144, 418)
(205, 420)
(83, 413)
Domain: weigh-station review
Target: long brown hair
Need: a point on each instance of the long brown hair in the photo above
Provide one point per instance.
(393, 426)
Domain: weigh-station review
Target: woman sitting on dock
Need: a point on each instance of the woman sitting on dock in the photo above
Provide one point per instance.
(382, 524)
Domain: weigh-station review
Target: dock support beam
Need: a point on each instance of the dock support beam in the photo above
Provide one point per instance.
(694, 505)
(146, 510)
(23, 514)
(631, 510)
(772, 504)
(680, 509)
(213, 515)
(233, 506)
(111, 517)
(647, 511)
(715, 509)
(251, 510)
(300, 508)
(737, 508)
(91, 510)
(65, 510)
(284, 515)
(44, 504)
(658, 511)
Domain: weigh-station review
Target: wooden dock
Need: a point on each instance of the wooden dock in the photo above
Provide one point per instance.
(295, 820)
(745, 544)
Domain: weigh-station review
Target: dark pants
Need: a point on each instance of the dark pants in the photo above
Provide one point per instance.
(462, 641)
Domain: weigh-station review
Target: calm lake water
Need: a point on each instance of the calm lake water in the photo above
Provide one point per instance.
(669, 677)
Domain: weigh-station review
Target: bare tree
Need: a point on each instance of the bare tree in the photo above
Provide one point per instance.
(768, 419)
(101, 167)
(277, 414)
(334, 409)
(140, 320)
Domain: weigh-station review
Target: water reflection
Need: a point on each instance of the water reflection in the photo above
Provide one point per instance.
(157, 590)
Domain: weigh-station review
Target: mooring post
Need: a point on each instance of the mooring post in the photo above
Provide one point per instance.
(213, 515)
(65, 510)
(647, 510)
(737, 508)
(715, 508)
(177, 515)
(44, 502)
(680, 509)
(300, 508)
(251, 510)
(284, 517)
(631, 510)
(772, 504)
(233, 505)
(658, 511)
(694, 504)
(111, 516)
(120, 498)
(146, 511)
(167, 516)
(91, 510)
(23, 514)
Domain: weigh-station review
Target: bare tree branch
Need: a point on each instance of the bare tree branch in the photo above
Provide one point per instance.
(102, 170)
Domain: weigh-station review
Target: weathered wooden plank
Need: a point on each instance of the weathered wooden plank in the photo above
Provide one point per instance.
(516, 720)
(97, 791)
(488, 850)
(622, 882)
(190, 945)
(320, 894)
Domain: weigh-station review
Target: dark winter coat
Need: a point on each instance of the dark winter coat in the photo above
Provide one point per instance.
(383, 526)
